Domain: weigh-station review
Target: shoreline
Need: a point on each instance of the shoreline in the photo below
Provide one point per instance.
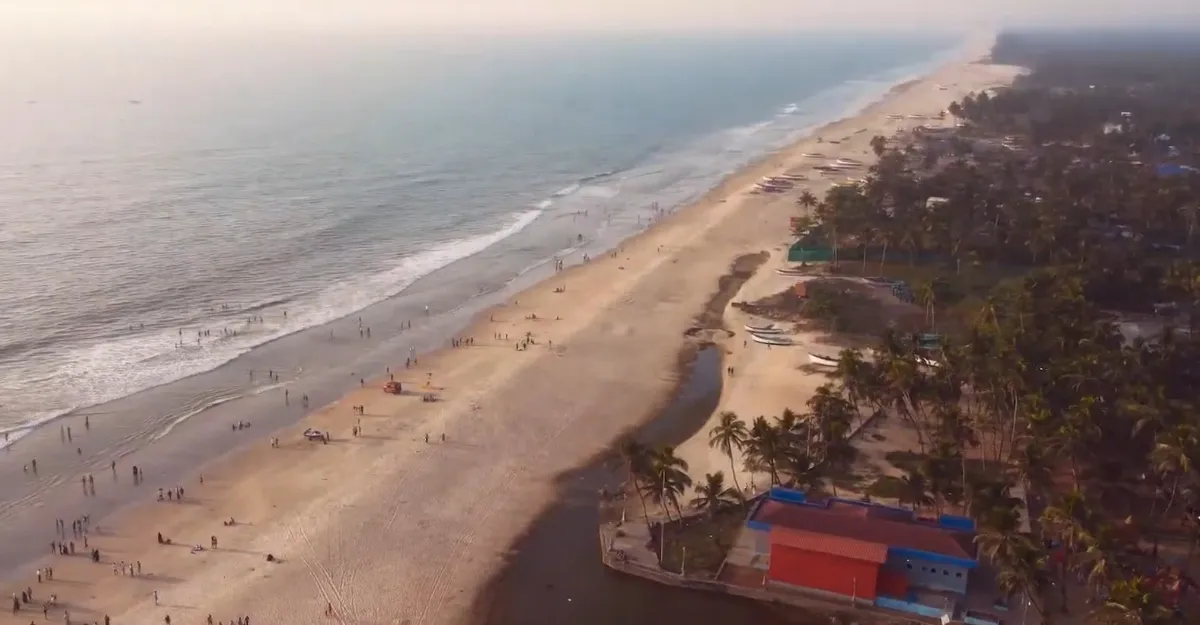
(143, 432)
(57, 413)
(247, 487)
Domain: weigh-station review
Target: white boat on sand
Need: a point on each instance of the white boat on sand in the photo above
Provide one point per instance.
(765, 331)
(822, 361)
(771, 340)
(763, 328)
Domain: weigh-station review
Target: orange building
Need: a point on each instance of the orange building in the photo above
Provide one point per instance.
(866, 552)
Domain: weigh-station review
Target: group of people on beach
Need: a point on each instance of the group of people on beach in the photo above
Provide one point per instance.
(69, 546)
(173, 494)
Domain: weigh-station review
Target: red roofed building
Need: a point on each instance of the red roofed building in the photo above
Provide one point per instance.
(859, 550)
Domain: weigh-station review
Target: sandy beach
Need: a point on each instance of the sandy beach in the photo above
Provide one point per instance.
(393, 527)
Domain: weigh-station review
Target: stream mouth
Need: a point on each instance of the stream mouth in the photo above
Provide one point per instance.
(553, 575)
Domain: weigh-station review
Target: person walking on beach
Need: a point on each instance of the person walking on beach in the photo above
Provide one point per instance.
(156, 597)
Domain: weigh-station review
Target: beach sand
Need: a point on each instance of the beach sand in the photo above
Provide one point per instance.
(386, 527)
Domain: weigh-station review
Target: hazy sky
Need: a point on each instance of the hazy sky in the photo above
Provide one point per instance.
(593, 14)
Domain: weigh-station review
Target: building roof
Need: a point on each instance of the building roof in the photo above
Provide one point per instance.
(832, 545)
(866, 527)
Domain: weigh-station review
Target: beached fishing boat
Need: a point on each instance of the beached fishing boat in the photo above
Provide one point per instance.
(822, 361)
(790, 272)
(771, 340)
(765, 331)
(762, 328)
(793, 177)
(813, 155)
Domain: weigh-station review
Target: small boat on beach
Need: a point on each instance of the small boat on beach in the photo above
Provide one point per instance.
(765, 331)
(764, 328)
(792, 177)
(849, 162)
(790, 272)
(822, 361)
(813, 155)
(771, 340)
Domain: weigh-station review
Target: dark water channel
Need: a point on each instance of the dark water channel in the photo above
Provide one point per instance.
(554, 576)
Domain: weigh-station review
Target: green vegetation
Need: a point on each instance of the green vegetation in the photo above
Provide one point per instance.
(1026, 235)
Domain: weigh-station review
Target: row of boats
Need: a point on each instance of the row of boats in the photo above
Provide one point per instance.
(768, 335)
(780, 183)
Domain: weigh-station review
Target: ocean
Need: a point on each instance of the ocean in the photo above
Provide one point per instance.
(159, 196)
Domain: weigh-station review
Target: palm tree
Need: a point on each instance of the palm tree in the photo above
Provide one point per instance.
(832, 415)
(765, 448)
(667, 478)
(807, 200)
(637, 462)
(1134, 601)
(926, 296)
(713, 495)
(728, 435)
(1071, 523)
(914, 490)
(1000, 538)
(1023, 573)
(854, 376)
(1173, 455)
(879, 144)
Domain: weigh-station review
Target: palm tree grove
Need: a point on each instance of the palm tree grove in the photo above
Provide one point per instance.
(1050, 378)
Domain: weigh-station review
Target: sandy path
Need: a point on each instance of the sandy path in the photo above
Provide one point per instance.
(389, 528)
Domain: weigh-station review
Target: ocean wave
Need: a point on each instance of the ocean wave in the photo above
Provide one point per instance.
(116, 368)
(599, 176)
(192, 410)
(565, 191)
(15, 433)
